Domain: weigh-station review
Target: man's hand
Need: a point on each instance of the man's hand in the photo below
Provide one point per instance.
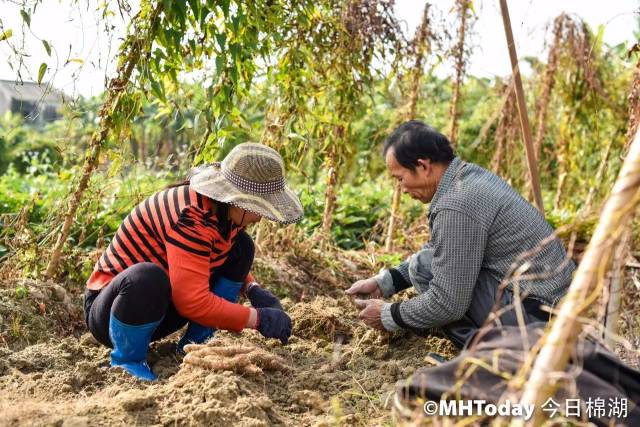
(367, 288)
(370, 313)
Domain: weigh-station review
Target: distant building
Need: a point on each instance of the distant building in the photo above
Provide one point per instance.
(34, 102)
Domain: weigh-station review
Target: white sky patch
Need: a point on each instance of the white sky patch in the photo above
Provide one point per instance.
(77, 30)
(531, 21)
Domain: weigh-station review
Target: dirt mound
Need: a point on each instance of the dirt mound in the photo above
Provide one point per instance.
(326, 318)
(334, 369)
(305, 274)
(31, 311)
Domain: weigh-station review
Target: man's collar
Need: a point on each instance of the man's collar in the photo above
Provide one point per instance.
(446, 180)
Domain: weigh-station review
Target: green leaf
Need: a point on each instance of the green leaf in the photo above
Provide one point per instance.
(219, 64)
(471, 8)
(26, 17)
(296, 137)
(599, 38)
(224, 4)
(41, 71)
(47, 47)
(5, 35)
(195, 6)
(21, 292)
(235, 50)
(235, 22)
(221, 38)
(158, 90)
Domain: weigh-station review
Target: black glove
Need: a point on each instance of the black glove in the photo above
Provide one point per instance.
(261, 298)
(274, 323)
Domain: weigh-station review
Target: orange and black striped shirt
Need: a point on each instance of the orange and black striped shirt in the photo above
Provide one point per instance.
(176, 229)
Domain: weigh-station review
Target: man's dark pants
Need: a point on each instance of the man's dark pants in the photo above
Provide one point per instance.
(485, 294)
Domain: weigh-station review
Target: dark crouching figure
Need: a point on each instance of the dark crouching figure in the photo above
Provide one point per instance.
(480, 227)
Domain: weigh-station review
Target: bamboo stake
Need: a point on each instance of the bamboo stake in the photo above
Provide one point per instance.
(614, 291)
(522, 108)
(139, 44)
(612, 313)
(564, 330)
(421, 42)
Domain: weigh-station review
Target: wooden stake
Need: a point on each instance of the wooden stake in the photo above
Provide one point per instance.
(562, 334)
(522, 109)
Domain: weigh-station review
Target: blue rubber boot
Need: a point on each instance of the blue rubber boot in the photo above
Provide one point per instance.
(196, 333)
(130, 345)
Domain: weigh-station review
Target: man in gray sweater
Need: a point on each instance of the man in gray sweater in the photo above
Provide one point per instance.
(482, 233)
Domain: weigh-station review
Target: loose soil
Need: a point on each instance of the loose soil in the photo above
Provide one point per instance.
(334, 369)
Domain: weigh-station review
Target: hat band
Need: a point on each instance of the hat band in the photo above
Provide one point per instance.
(276, 186)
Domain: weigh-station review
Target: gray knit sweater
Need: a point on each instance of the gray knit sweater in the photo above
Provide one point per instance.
(479, 224)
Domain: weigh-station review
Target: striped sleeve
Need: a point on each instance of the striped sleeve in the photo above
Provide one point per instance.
(189, 242)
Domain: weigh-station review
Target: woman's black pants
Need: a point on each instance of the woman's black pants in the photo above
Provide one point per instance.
(141, 294)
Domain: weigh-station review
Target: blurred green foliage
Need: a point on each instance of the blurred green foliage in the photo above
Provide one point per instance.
(282, 101)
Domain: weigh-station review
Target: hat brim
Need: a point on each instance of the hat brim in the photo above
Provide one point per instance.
(283, 206)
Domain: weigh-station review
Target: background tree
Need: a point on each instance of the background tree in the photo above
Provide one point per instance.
(421, 46)
(464, 9)
(119, 105)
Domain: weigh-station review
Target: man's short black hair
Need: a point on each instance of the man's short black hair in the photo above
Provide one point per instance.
(414, 140)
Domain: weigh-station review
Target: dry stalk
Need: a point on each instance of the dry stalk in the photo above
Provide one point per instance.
(548, 83)
(139, 46)
(506, 129)
(634, 107)
(561, 335)
(463, 7)
(421, 45)
(330, 192)
(562, 153)
(377, 411)
(496, 115)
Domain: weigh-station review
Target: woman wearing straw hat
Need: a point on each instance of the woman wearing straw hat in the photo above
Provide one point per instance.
(182, 256)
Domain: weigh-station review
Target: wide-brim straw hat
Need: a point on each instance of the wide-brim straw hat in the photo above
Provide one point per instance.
(250, 177)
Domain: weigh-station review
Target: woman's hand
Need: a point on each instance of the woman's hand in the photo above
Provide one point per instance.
(262, 298)
(274, 323)
(252, 321)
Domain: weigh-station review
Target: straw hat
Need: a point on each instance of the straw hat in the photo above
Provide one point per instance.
(250, 177)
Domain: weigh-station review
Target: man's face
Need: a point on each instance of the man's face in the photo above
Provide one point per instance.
(420, 184)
